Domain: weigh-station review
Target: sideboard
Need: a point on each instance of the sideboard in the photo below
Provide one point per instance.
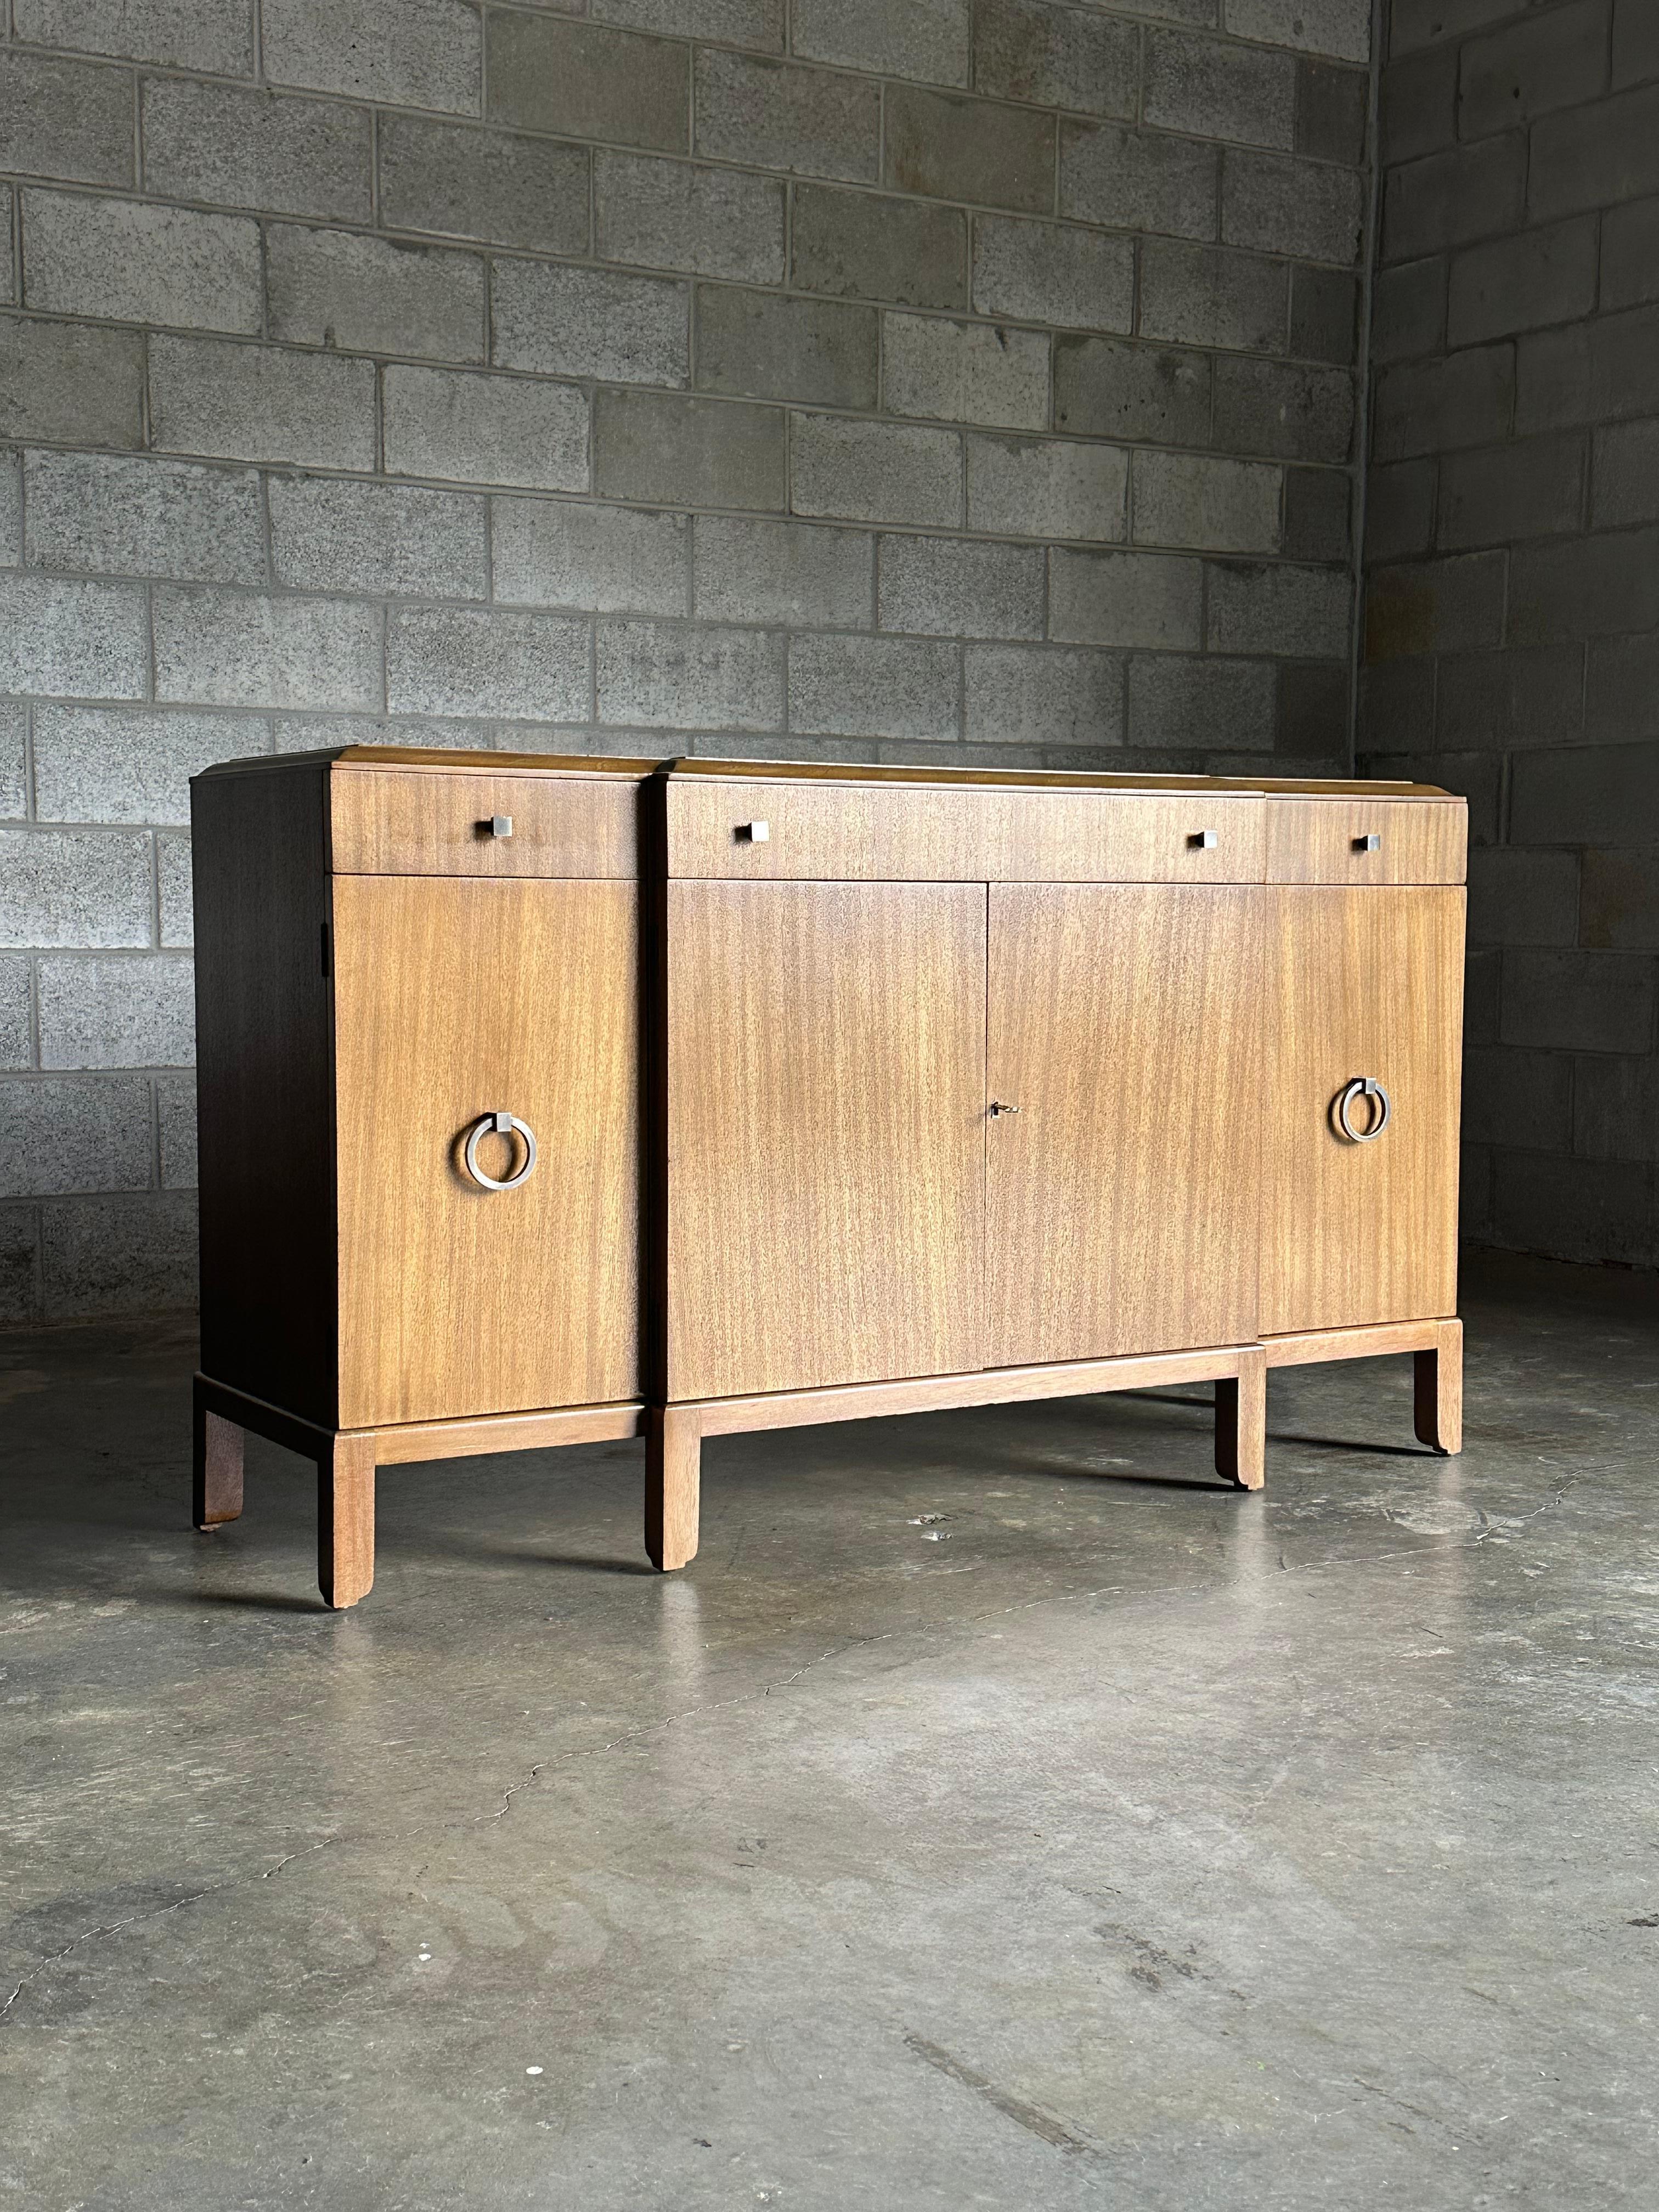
(550, 1100)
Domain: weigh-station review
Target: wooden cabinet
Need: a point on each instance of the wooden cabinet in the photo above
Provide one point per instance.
(548, 1101)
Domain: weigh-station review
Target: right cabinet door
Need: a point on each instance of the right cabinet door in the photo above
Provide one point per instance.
(1362, 986)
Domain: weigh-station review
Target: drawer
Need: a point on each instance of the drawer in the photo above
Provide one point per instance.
(856, 833)
(422, 821)
(1328, 841)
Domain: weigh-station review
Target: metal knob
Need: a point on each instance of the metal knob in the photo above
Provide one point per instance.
(1366, 1087)
(1202, 841)
(501, 1125)
(1370, 843)
(753, 833)
(997, 1107)
(499, 825)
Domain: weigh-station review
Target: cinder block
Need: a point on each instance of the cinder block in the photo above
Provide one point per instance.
(119, 1256)
(788, 573)
(1325, 315)
(175, 1105)
(257, 402)
(1047, 487)
(957, 587)
(1257, 608)
(1178, 700)
(1512, 1097)
(1553, 59)
(585, 81)
(1626, 474)
(224, 648)
(875, 472)
(421, 53)
(131, 764)
(1139, 180)
(590, 322)
(1396, 707)
(464, 182)
(814, 122)
(1530, 490)
(8, 258)
(334, 289)
(16, 1042)
(875, 687)
(1635, 42)
(215, 35)
(1331, 107)
(1520, 284)
(1400, 509)
(965, 371)
(120, 517)
(1630, 254)
(1312, 721)
(755, 345)
(1056, 56)
(1587, 1001)
(1618, 906)
(1105, 389)
(954, 148)
(1598, 1211)
(20, 1263)
(257, 149)
(1434, 406)
(1042, 695)
(666, 451)
(1453, 605)
(1212, 89)
(872, 248)
(485, 429)
(1053, 273)
(1621, 688)
(1408, 310)
(1125, 598)
(1447, 199)
(1615, 1108)
(680, 676)
(14, 782)
(1482, 983)
(675, 214)
(739, 23)
(329, 536)
(476, 661)
(1586, 587)
(608, 560)
(1339, 27)
(1280, 205)
(174, 894)
(1525, 696)
(63, 1134)
(74, 641)
(923, 39)
(1283, 411)
(79, 887)
(136, 263)
(67, 119)
(1200, 500)
(1606, 795)
(1594, 155)
(1418, 104)
(1414, 23)
(1518, 897)
(1206, 295)
(1600, 371)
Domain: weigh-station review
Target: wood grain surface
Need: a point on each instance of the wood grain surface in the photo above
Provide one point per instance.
(399, 823)
(1314, 840)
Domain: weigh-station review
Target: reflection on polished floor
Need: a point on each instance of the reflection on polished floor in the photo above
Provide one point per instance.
(999, 1813)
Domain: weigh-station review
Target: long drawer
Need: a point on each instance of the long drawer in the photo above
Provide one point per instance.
(761, 830)
(418, 822)
(1362, 841)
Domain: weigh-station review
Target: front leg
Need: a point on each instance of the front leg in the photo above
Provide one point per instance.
(1439, 1392)
(345, 1520)
(1241, 1421)
(673, 1484)
(217, 1464)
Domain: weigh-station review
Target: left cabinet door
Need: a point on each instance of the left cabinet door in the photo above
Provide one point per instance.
(455, 999)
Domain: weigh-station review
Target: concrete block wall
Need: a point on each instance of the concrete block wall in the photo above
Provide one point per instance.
(873, 379)
(1512, 576)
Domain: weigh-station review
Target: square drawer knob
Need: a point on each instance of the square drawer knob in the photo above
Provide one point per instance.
(754, 833)
(1202, 841)
(1370, 843)
(500, 825)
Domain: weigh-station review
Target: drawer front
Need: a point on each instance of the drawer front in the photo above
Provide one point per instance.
(805, 832)
(421, 822)
(1329, 841)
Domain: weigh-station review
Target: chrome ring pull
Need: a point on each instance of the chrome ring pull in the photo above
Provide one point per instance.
(501, 1125)
(1364, 1086)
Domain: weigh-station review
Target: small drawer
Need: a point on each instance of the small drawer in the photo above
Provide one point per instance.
(1362, 841)
(801, 830)
(421, 821)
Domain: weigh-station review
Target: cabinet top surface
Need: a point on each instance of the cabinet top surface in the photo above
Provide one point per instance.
(424, 758)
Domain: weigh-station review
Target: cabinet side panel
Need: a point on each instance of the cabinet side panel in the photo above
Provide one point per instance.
(263, 1086)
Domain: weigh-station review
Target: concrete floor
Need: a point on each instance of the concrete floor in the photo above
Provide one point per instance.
(998, 1814)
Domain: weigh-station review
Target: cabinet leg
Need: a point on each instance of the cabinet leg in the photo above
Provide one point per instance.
(1241, 1422)
(217, 1484)
(1439, 1391)
(345, 1521)
(673, 1477)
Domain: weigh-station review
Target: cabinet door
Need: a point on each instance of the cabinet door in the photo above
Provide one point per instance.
(453, 999)
(1361, 983)
(1120, 1198)
(826, 1113)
